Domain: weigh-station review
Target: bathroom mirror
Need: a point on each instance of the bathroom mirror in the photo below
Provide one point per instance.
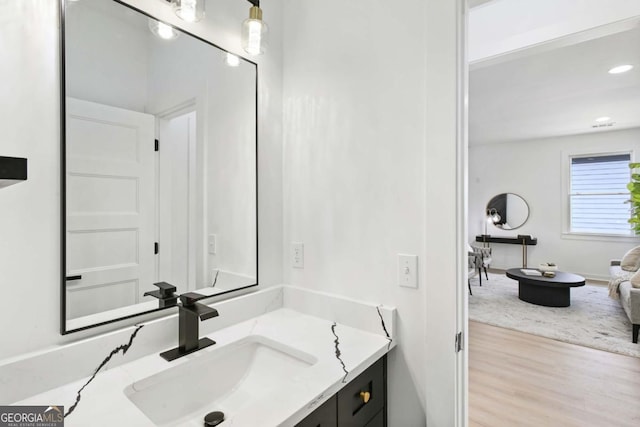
(159, 164)
(507, 211)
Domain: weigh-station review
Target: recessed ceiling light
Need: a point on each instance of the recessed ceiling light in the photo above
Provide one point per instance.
(603, 119)
(620, 69)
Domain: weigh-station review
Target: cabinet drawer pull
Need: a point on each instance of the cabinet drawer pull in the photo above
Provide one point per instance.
(365, 395)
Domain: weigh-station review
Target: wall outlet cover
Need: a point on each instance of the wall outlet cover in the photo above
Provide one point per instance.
(297, 255)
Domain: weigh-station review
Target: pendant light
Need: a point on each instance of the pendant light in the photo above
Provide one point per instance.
(189, 10)
(254, 30)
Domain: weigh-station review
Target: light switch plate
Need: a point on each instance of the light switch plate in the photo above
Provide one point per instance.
(297, 255)
(408, 270)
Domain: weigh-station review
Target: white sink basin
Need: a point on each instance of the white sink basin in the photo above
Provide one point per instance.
(225, 379)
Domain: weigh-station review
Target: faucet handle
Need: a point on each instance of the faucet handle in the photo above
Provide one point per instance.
(165, 294)
(166, 289)
(190, 298)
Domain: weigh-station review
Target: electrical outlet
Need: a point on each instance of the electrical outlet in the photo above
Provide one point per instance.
(408, 270)
(212, 244)
(297, 255)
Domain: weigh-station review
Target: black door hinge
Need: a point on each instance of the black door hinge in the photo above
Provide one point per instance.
(157, 145)
(459, 342)
(156, 248)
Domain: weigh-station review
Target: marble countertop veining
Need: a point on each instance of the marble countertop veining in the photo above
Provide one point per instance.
(338, 349)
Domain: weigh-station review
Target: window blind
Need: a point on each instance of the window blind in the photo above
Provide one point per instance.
(598, 194)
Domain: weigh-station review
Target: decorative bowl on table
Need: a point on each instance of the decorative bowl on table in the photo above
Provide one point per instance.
(547, 267)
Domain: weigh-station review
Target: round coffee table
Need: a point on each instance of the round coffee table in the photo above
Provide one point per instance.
(547, 291)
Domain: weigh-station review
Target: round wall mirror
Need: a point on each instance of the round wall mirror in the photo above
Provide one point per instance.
(507, 211)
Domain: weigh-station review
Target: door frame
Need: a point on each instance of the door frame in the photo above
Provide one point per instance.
(462, 212)
(195, 169)
(446, 159)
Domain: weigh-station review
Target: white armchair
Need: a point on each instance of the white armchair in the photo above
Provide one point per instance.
(483, 256)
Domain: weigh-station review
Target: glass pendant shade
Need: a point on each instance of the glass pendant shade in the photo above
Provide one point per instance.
(254, 32)
(189, 10)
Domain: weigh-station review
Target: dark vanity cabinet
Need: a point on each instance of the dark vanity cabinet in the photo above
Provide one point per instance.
(361, 403)
(325, 416)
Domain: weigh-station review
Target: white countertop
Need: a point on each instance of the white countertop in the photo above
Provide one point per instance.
(104, 402)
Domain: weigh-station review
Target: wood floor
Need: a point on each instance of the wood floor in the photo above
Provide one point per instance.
(518, 379)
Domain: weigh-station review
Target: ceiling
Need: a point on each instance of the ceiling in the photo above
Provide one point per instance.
(555, 91)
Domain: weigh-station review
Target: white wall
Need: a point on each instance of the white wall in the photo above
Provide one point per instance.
(356, 139)
(29, 211)
(501, 26)
(534, 170)
(231, 203)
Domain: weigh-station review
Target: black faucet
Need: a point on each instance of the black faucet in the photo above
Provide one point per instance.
(165, 294)
(190, 312)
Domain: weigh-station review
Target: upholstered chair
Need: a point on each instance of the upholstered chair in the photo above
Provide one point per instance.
(484, 256)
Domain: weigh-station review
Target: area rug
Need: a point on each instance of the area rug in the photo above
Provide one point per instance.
(593, 319)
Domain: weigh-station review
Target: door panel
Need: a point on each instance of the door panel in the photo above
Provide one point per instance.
(114, 141)
(83, 301)
(91, 191)
(110, 206)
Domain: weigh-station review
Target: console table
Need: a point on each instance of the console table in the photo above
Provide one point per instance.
(524, 240)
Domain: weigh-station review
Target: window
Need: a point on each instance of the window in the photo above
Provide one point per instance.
(598, 194)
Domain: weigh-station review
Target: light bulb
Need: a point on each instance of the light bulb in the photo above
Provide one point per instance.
(231, 60)
(165, 31)
(254, 32)
(162, 30)
(189, 10)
